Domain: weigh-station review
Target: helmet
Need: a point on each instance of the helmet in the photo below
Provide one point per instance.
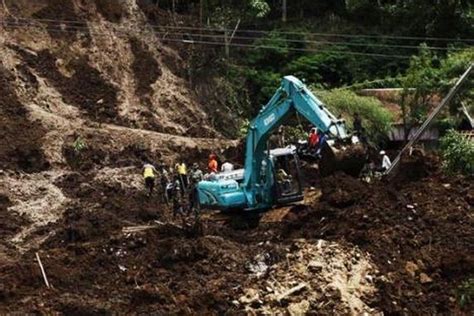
(382, 152)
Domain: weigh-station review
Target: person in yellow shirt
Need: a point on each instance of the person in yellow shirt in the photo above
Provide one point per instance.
(149, 173)
(183, 176)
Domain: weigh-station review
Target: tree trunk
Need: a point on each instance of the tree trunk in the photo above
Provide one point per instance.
(201, 11)
(283, 11)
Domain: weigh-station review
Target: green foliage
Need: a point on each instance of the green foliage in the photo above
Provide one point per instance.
(244, 128)
(465, 292)
(79, 145)
(375, 118)
(458, 153)
(260, 8)
(325, 68)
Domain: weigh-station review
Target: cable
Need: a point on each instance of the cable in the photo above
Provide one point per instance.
(58, 30)
(340, 43)
(285, 32)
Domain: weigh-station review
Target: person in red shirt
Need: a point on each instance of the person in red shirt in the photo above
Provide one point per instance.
(212, 165)
(313, 139)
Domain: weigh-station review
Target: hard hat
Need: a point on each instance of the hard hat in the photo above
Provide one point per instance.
(382, 152)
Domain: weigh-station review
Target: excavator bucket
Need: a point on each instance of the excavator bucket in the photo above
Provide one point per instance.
(349, 158)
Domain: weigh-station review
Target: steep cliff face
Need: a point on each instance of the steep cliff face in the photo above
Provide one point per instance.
(90, 67)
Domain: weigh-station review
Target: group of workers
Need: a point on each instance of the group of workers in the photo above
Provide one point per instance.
(178, 184)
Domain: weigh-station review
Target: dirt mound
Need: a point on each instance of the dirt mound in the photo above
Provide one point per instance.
(10, 223)
(341, 190)
(420, 235)
(20, 147)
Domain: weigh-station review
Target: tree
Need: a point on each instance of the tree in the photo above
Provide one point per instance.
(419, 86)
(376, 119)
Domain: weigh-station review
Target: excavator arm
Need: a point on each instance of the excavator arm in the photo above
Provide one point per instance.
(291, 97)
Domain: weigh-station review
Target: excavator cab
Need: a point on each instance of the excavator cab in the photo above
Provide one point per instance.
(287, 177)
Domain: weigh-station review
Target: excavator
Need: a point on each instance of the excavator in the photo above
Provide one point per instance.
(272, 177)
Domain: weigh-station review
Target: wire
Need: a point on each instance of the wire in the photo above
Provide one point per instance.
(284, 32)
(184, 41)
(338, 43)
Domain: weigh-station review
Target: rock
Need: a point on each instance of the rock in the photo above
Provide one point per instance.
(300, 308)
(315, 266)
(251, 295)
(411, 268)
(424, 278)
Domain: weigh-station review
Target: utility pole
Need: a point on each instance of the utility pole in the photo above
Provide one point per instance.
(283, 11)
(430, 118)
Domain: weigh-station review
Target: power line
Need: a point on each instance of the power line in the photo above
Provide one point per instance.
(184, 41)
(283, 40)
(281, 32)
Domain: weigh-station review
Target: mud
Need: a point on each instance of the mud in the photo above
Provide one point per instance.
(85, 88)
(20, 148)
(10, 223)
(63, 11)
(419, 233)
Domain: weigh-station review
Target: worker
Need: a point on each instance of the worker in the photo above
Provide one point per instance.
(322, 141)
(182, 172)
(195, 176)
(357, 124)
(212, 165)
(227, 166)
(149, 176)
(164, 180)
(386, 163)
(313, 139)
(284, 180)
(174, 193)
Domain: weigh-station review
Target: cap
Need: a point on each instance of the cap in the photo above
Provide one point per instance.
(382, 152)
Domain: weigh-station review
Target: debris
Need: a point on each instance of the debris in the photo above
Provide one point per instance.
(424, 278)
(411, 268)
(42, 270)
(291, 291)
(301, 308)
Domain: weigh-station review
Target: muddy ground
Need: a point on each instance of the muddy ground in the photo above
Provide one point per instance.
(398, 248)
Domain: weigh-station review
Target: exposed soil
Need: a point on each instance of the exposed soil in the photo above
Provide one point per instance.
(20, 147)
(85, 88)
(10, 223)
(419, 233)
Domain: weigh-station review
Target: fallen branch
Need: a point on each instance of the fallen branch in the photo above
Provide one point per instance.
(291, 291)
(42, 270)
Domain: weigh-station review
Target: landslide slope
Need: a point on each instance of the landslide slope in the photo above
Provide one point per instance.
(96, 66)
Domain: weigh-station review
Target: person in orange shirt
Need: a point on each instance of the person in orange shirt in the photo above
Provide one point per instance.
(212, 165)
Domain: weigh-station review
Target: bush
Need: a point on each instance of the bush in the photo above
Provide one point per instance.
(458, 153)
(375, 118)
(465, 292)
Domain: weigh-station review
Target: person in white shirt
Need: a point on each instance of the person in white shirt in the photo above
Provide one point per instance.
(227, 166)
(386, 163)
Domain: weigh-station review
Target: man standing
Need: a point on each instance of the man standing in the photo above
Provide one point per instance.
(386, 163)
(195, 176)
(149, 176)
(183, 176)
(212, 165)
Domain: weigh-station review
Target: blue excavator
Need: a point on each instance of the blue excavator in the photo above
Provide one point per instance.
(272, 177)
